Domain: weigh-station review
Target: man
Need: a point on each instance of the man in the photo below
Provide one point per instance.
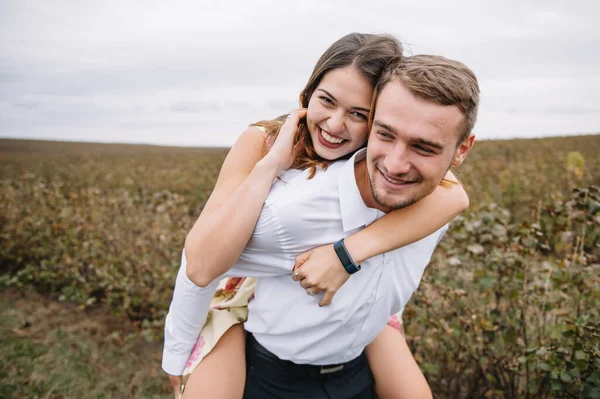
(424, 110)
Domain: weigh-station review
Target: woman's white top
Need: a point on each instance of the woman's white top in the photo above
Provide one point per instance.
(300, 214)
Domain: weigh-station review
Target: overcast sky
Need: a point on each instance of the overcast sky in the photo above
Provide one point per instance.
(198, 72)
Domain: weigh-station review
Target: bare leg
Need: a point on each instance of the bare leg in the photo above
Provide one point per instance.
(397, 374)
(222, 373)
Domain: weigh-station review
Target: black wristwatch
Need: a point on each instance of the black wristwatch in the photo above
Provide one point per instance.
(345, 258)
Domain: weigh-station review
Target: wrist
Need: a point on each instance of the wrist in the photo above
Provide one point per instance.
(357, 249)
(269, 166)
(345, 259)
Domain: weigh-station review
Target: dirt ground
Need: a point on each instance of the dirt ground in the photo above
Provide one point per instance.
(51, 349)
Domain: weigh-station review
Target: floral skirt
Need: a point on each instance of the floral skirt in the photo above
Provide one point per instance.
(228, 308)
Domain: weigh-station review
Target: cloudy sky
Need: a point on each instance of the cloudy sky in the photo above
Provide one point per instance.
(198, 72)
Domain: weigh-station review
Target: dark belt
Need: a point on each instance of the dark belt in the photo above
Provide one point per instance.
(258, 355)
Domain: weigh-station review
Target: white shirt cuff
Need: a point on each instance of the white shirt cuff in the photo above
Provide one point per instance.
(176, 352)
(174, 363)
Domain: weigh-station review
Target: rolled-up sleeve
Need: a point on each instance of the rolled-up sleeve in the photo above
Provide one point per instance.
(187, 314)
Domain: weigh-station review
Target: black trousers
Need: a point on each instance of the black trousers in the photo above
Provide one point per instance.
(269, 377)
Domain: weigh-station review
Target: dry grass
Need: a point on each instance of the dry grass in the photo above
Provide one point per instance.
(57, 350)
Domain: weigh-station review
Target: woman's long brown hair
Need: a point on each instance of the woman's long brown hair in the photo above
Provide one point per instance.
(368, 54)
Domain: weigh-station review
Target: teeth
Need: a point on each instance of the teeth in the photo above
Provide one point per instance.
(396, 181)
(329, 138)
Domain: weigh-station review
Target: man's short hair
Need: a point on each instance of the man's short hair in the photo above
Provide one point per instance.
(438, 79)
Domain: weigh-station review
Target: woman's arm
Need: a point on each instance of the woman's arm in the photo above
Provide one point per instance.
(223, 229)
(410, 224)
(187, 314)
(320, 268)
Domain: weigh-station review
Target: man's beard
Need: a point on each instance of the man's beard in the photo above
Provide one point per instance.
(406, 201)
(391, 205)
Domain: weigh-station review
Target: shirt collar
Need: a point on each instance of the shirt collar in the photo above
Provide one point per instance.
(355, 213)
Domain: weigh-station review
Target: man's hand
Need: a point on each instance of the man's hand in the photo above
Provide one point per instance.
(320, 269)
(175, 381)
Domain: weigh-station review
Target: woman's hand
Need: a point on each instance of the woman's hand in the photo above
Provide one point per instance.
(320, 269)
(229, 217)
(283, 151)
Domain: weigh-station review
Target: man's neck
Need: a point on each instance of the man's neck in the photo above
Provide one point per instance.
(361, 174)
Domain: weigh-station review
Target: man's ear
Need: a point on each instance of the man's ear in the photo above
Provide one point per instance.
(462, 150)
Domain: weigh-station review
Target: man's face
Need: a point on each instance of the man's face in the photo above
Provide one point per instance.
(412, 144)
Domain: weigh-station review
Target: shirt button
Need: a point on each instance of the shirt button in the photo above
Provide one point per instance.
(389, 261)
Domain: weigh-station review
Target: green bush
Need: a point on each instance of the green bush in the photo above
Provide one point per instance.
(516, 313)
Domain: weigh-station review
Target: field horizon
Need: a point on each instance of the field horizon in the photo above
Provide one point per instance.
(46, 140)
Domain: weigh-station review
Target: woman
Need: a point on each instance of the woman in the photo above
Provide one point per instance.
(338, 97)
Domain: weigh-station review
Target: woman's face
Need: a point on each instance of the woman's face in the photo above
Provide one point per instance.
(338, 111)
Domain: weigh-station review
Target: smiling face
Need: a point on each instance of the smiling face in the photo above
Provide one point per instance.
(413, 143)
(338, 111)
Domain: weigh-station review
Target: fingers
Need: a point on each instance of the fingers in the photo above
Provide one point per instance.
(301, 259)
(297, 113)
(327, 298)
(310, 287)
(296, 276)
(294, 117)
(290, 126)
(305, 284)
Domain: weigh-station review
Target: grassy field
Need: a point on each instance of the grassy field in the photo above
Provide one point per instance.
(507, 309)
(51, 349)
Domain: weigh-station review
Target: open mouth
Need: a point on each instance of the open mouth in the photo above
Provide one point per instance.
(395, 181)
(329, 140)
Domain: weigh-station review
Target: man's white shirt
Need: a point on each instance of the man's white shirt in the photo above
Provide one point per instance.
(300, 214)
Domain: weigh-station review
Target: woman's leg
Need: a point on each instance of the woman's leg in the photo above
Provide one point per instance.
(397, 374)
(222, 373)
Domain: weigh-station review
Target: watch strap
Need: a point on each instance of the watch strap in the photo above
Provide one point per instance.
(345, 258)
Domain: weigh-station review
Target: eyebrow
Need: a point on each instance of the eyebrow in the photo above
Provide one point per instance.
(387, 127)
(335, 99)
